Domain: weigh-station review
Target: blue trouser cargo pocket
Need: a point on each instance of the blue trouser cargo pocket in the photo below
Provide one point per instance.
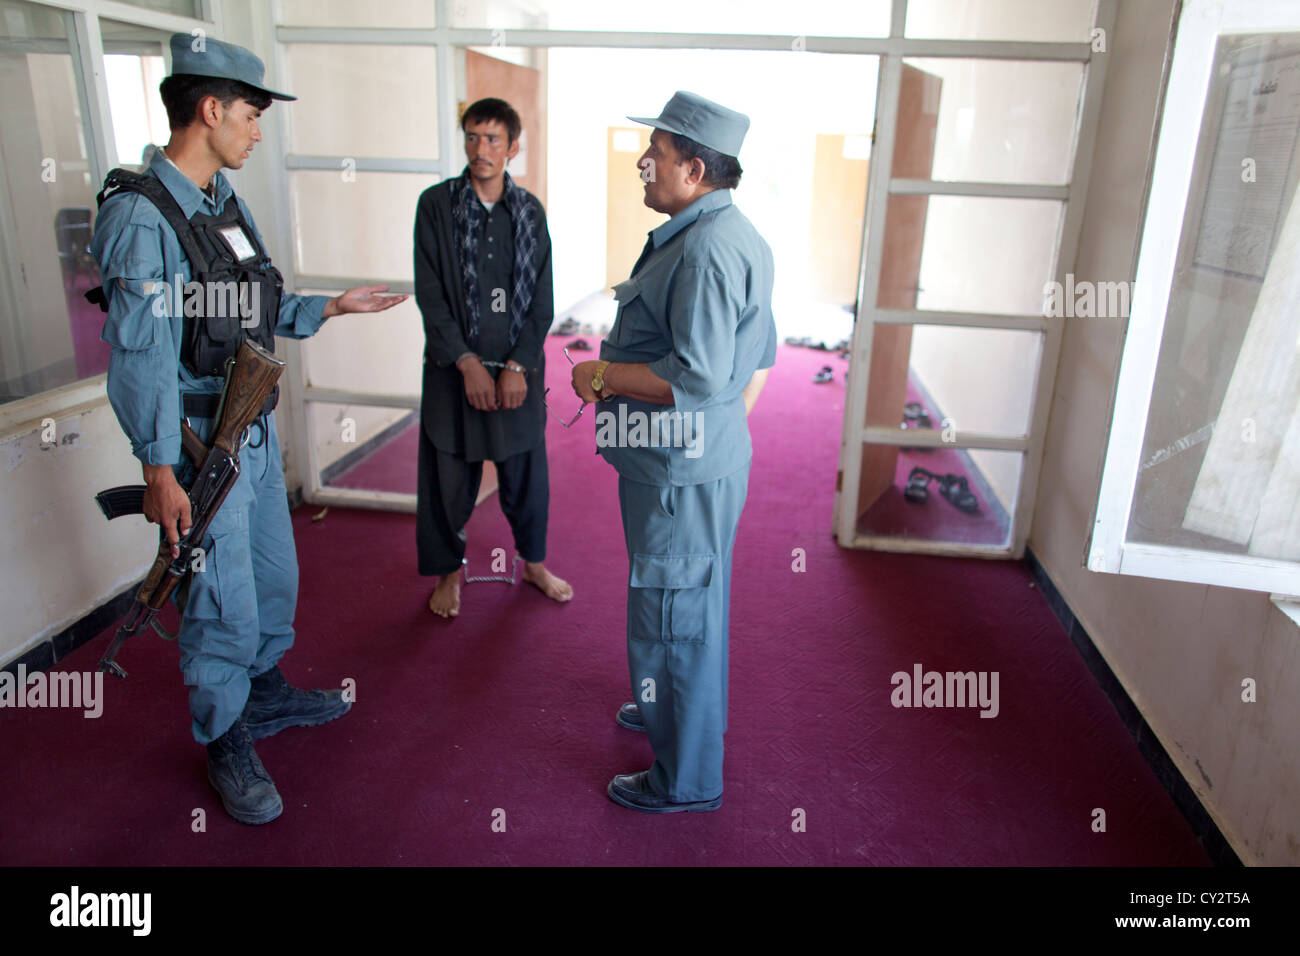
(668, 597)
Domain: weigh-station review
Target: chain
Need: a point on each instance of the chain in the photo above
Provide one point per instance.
(514, 569)
(496, 364)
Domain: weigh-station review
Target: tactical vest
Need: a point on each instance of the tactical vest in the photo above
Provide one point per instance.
(230, 265)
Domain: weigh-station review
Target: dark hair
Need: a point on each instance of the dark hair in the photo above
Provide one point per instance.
(489, 109)
(720, 170)
(182, 92)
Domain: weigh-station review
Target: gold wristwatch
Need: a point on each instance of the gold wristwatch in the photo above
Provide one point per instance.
(598, 382)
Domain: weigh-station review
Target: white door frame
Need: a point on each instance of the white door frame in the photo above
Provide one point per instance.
(880, 187)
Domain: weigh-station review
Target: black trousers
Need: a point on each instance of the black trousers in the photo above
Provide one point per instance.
(445, 494)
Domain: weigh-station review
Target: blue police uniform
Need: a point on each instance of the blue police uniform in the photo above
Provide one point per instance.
(697, 309)
(238, 612)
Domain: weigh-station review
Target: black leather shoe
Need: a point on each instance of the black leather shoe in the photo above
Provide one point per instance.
(235, 772)
(629, 716)
(632, 791)
(274, 704)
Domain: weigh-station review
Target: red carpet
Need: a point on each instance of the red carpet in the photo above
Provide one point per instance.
(390, 467)
(511, 707)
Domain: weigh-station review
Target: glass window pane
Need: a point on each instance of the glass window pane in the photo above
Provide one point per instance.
(27, 21)
(949, 495)
(999, 121)
(356, 225)
(363, 446)
(184, 8)
(374, 101)
(978, 254)
(863, 18)
(349, 13)
(1220, 465)
(49, 334)
(1061, 21)
(953, 379)
(133, 68)
(381, 353)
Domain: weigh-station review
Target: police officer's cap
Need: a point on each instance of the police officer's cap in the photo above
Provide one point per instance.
(708, 123)
(204, 56)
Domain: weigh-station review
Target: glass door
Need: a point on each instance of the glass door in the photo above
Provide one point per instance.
(965, 283)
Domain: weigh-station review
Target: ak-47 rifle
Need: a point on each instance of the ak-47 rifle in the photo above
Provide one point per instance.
(250, 377)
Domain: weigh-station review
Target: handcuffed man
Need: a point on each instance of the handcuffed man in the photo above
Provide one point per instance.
(483, 284)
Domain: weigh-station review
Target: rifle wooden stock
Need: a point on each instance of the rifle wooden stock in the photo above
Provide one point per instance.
(248, 385)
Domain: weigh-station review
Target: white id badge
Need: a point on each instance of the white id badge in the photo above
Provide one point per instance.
(238, 242)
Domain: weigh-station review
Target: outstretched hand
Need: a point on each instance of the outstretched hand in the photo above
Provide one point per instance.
(363, 298)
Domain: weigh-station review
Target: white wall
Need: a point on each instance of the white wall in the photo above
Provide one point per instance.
(61, 558)
(1181, 650)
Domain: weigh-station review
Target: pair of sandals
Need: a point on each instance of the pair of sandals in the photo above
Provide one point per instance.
(954, 488)
(825, 375)
(806, 342)
(915, 416)
(572, 326)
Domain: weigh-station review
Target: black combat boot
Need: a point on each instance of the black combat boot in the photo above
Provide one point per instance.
(236, 772)
(273, 705)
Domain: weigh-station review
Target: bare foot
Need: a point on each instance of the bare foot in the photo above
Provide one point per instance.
(445, 599)
(554, 588)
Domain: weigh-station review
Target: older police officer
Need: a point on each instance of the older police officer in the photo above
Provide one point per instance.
(688, 356)
(166, 364)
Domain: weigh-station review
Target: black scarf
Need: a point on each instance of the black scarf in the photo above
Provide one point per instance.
(467, 215)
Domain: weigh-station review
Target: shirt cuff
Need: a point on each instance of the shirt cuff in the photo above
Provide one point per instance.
(164, 451)
(671, 370)
(301, 316)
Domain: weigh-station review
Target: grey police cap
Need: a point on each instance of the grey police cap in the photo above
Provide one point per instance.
(204, 56)
(708, 123)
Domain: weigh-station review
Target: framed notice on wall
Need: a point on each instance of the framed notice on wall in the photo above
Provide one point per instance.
(1255, 100)
(1202, 474)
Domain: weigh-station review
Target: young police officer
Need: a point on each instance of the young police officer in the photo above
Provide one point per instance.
(692, 342)
(166, 364)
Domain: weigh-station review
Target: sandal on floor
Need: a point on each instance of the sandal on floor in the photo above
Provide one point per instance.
(957, 490)
(915, 412)
(568, 327)
(918, 485)
(580, 345)
(824, 376)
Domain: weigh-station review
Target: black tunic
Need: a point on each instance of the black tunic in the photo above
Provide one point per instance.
(450, 422)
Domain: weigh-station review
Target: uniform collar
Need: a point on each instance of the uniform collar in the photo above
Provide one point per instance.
(187, 195)
(714, 199)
